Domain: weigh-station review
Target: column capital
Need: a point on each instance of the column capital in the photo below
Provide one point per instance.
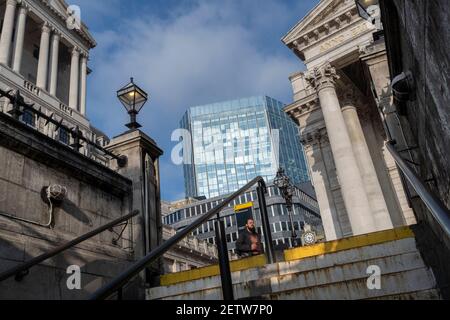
(24, 7)
(12, 2)
(76, 51)
(56, 33)
(84, 55)
(322, 77)
(46, 27)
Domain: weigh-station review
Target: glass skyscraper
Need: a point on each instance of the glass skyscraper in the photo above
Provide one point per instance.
(232, 142)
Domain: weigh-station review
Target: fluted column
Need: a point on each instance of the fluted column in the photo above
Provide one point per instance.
(312, 143)
(83, 80)
(54, 62)
(74, 75)
(365, 164)
(44, 48)
(352, 187)
(7, 31)
(20, 36)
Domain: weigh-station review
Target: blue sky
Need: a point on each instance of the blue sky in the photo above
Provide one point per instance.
(185, 53)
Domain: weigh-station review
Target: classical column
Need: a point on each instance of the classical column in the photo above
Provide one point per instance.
(42, 72)
(313, 151)
(7, 31)
(365, 164)
(84, 59)
(54, 62)
(74, 75)
(352, 187)
(19, 38)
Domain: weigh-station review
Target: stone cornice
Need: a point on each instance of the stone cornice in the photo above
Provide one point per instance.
(134, 138)
(323, 25)
(83, 33)
(303, 106)
(314, 138)
(325, 29)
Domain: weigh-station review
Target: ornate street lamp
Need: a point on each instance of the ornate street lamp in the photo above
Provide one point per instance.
(287, 191)
(133, 99)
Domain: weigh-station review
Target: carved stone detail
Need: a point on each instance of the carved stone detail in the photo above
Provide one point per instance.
(322, 77)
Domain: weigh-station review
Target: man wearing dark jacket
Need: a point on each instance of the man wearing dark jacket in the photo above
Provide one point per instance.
(249, 242)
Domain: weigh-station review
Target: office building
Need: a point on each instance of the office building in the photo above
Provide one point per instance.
(232, 142)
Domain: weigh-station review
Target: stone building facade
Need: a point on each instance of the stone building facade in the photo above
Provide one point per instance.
(418, 43)
(190, 253)
(337, 104)
(44, 56)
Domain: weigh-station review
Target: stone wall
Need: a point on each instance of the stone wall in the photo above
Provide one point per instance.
(96, 195)
(418, 40)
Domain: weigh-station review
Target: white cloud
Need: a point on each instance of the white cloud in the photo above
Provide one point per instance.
(210, 52)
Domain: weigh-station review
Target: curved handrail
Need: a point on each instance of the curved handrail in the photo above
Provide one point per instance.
(440, 213)
(21, 270)
(118, 282)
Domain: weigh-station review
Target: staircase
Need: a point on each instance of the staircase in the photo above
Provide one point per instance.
(331, 270)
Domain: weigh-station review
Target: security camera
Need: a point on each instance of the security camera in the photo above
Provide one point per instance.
(403, 87)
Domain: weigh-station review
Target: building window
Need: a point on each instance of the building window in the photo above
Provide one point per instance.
(28, 118)
(63, 136)
(227, 222)
(36, 52)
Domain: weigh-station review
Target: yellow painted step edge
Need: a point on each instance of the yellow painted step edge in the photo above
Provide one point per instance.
(292, 254)
(348, 243)
(210, 271)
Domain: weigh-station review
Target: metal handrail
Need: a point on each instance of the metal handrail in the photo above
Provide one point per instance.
(437, 208)
(117, 283)
(22, 270)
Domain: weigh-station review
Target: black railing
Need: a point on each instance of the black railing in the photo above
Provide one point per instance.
(438, 210)
(121, 280)
(19, 106)
(22, 270)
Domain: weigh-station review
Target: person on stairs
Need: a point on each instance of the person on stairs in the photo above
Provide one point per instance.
(249, 242)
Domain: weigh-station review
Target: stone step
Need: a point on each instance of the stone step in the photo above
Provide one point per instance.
(400, 283)
(323, 274)
(400, 274)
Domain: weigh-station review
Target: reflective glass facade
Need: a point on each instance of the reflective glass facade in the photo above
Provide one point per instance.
(235, 141)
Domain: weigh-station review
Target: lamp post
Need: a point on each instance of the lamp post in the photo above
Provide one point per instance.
(287, 191)
(133, 99)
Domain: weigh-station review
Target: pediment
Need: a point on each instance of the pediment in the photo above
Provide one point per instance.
(325, 10)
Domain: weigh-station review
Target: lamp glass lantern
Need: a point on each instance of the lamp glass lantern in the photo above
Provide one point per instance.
(133, 99)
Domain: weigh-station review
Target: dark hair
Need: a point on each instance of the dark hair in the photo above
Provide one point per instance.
(249, 219)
